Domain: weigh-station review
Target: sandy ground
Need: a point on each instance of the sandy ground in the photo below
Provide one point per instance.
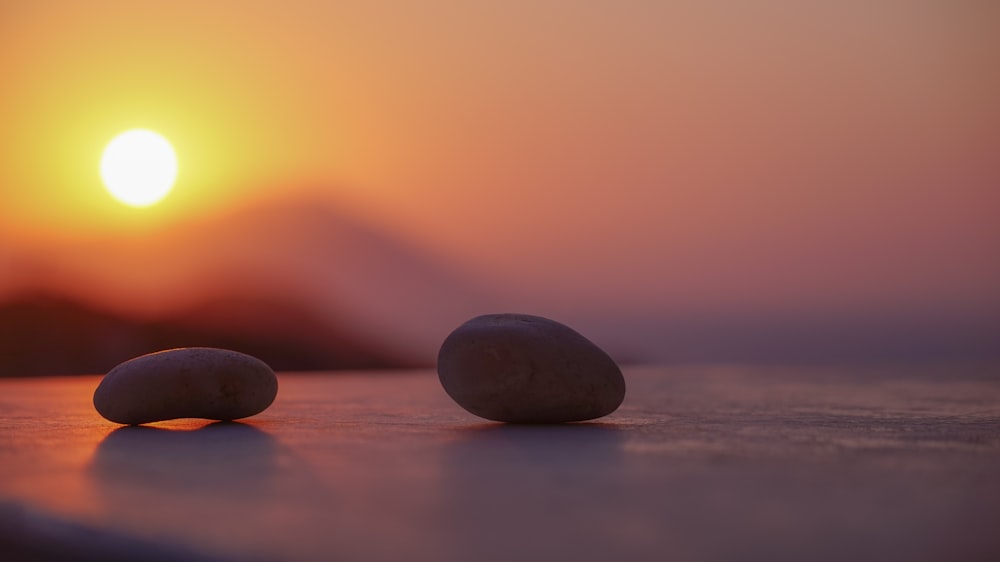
(703, 463)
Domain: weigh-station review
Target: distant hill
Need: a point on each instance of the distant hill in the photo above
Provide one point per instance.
(48, 335)
(306, 285)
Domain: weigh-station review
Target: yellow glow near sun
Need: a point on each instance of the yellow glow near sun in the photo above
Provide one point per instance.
(139, 167)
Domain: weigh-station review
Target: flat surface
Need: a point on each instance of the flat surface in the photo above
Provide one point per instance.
(698, 464)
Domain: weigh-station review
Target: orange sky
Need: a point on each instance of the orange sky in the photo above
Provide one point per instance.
(626, 155)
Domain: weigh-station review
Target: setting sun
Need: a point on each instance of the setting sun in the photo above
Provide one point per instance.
(139, 167)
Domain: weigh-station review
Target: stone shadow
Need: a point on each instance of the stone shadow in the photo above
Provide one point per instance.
(222, 460)
(536, 491)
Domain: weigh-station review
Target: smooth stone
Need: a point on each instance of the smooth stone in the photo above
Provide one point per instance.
(528, 369)
(193, 382)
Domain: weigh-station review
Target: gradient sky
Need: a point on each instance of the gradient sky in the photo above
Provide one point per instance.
(642, 156)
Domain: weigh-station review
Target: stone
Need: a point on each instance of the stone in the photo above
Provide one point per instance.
(527, 369)
(194, 382)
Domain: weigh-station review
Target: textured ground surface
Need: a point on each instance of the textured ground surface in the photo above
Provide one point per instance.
(698, 464)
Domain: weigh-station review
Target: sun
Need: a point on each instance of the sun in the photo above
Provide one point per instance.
(139, 167)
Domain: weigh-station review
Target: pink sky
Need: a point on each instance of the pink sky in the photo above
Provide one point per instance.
(581, 158)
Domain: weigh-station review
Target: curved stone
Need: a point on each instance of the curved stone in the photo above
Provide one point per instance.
(528, 369)
(195, 382)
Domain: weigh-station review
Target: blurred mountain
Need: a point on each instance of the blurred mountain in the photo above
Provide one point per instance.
(305, 285)
(296, 283)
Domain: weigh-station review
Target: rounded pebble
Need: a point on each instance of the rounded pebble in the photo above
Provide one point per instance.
(528, 369)
(194, 382)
